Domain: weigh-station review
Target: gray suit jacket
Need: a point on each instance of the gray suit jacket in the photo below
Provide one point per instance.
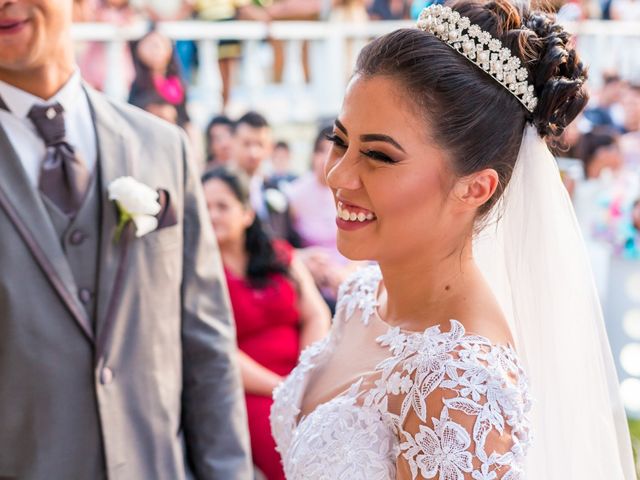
(152, 390)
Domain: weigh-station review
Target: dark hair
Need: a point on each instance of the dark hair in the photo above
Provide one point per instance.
(253, 119)
(217, 120)
(471, 115)
(263, 258)
(609, 77)
(591, 142)
(282, 144)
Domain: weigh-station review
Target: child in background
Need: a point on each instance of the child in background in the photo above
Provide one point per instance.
(158, 74)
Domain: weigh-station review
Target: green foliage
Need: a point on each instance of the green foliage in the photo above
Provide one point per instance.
(634, 427)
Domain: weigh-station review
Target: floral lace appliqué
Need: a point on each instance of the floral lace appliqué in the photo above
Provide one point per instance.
(358, 292)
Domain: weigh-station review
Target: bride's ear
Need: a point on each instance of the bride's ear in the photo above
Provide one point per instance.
(476, 189)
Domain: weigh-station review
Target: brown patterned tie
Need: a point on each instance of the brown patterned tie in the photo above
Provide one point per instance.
(64, 177)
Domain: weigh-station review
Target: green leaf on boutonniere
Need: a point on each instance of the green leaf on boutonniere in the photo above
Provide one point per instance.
(124, 219)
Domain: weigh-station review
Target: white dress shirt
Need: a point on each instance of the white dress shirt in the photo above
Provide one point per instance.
(24, 137)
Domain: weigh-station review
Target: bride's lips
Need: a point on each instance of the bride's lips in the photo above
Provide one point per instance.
(11, 26)
(352, 217)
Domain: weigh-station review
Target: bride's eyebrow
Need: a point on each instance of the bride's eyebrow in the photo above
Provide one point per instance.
(378, 137)
(372, 137)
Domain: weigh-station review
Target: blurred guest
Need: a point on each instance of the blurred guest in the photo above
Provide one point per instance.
(628, 10)
(157, 71)
(81, 11)
(252, 146)
(229, 50)
(219, 135)
(158, 106)
(605, 106)
(600, 152)
(164, 10)
(573, 10)
(313, 210)
(630, 141)
(635, 215)
(277, 308)
(349, 11)
(93, 61)
(601, 157)
(631, 108)
(158, 76)
(390, 10)
(605, 9)
(281, 174)
(172, 10)
(566, 146)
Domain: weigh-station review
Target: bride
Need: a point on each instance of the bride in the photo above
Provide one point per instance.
(476, 349)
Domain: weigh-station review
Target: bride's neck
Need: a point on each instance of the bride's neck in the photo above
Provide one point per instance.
(425, 288)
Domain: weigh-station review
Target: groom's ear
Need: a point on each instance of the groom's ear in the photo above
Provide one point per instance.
(476, 189)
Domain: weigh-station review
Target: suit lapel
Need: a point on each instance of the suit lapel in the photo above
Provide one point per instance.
(35, 227)
(113, 162)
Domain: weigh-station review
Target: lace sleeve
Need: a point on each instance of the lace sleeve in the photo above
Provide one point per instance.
(460, 412)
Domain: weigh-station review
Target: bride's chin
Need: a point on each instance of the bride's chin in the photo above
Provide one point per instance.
(355, 251)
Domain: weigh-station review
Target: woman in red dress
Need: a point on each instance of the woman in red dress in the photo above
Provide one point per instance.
(277, 308)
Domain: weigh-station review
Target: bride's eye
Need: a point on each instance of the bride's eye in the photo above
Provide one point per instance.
(376, 155)
(336, 140)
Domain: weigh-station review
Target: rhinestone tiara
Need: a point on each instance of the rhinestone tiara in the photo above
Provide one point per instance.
(480, 48)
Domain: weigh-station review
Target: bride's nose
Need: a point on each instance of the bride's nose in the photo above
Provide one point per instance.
(342, 172)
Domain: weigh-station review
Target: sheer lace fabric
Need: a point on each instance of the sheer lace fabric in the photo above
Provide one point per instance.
(432, 404)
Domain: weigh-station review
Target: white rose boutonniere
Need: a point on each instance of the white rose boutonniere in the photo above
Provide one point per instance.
(136, 203)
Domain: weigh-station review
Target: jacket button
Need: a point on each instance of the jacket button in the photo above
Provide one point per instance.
(106, 376)
(85, 295)
(77, 237)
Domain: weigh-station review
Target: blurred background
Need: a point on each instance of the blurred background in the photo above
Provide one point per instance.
(254, 82)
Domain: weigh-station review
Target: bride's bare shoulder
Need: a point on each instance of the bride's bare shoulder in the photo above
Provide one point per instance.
(480, 314)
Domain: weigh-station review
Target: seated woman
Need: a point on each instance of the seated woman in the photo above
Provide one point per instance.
(277, 308)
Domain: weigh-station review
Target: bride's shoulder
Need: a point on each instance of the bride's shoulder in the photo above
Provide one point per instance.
(480, 313)
(450, 353)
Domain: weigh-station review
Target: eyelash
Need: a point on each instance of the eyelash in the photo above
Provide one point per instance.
(373, 154)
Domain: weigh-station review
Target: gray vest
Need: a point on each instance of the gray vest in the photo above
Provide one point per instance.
(80, 240)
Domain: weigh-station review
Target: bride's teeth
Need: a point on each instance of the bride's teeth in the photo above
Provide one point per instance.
(346, 215)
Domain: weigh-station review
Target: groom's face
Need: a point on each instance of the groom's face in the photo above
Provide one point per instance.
(34, 33)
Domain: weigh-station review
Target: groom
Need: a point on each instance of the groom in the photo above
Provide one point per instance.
(116, 342)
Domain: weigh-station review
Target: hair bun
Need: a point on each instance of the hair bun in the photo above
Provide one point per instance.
(558, 74)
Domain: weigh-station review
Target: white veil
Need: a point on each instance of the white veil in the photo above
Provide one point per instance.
(534, 257)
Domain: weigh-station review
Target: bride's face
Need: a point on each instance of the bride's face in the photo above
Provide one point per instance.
(391, 183)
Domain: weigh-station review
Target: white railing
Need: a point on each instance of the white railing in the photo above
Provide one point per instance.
(333, 48)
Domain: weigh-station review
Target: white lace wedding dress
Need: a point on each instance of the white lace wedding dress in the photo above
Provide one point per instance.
(370, 401)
